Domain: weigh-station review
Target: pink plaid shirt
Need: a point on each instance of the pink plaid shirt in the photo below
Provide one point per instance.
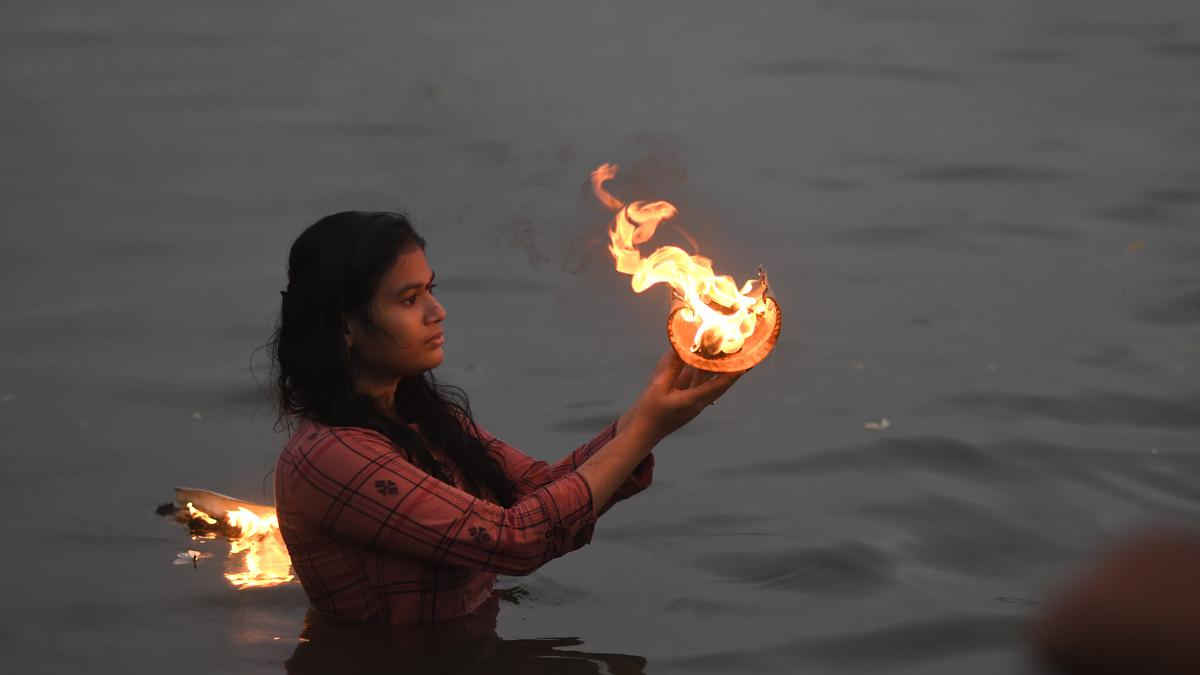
(374, 537)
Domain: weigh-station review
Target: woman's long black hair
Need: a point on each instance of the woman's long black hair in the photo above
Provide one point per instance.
(334, 269)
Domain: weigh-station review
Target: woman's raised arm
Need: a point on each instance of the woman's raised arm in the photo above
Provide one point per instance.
(529, 474)
(674, 397)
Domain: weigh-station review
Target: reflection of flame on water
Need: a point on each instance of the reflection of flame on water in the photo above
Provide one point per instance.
(714, 325)
(257, 555)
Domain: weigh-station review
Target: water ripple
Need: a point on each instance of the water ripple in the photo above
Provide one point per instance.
(964, 537)
(1178, 50)
(495, 284)
(926, 640)
(1034, 55)
(928, 233)
(1182, 310)
(1009, 174)
(589, 424)
(848, 567)
(887, 71)
(1117, 358)
(1089, 408)
(936, 453)
(879, 649)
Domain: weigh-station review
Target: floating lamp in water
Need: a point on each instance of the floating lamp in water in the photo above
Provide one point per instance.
(257, 556)
(714, 325)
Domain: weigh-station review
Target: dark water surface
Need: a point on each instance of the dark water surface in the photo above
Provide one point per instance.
(980, 219)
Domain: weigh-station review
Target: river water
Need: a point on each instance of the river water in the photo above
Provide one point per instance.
(979, 219)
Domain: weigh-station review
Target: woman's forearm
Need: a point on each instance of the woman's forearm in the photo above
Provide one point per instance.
(624, 419)
(605, 471)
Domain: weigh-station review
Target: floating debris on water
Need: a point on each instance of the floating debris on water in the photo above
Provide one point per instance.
(190, 557)
(515, 594)
(877, 425)
(1013, 600)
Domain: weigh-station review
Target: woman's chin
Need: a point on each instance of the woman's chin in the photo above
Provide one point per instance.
(437, 357)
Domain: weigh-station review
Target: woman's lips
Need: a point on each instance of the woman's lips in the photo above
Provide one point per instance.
(437, 340)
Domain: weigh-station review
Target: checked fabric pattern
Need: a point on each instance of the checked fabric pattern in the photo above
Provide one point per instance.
(374, 537)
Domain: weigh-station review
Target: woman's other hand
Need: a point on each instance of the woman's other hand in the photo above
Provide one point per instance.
(676, 394)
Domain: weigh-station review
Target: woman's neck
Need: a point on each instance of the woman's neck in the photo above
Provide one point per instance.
(382, 398)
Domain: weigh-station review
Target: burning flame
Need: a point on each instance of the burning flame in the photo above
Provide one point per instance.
(264, 559)
(197, 513)
(725, 314)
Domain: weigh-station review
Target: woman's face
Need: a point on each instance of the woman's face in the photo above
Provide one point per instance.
(407, 337)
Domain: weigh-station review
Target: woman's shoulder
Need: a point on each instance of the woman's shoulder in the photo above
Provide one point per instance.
(310, 434)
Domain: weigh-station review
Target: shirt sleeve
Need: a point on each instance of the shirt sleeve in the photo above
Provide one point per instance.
(531, 475)
(355, 485)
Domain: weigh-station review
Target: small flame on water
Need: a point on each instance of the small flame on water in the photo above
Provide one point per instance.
(197, 513)
(726, 315)
(258, 557)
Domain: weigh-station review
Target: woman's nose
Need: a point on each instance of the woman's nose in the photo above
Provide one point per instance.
(438, 312)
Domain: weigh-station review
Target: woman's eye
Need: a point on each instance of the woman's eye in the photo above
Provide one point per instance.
(412, 299)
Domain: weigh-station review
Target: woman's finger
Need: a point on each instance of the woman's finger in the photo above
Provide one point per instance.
(687, 378)
(683, 378)
(663, 364)
(668, 370)
(713, 389)
(664, 361)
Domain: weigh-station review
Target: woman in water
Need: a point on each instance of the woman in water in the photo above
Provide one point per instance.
(395, 506)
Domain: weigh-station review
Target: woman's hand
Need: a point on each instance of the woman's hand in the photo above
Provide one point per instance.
(676, 394)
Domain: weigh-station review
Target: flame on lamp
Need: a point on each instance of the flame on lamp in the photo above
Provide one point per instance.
(714, 324)
(264, 560)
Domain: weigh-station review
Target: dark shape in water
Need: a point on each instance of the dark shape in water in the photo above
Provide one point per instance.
(466, 645)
